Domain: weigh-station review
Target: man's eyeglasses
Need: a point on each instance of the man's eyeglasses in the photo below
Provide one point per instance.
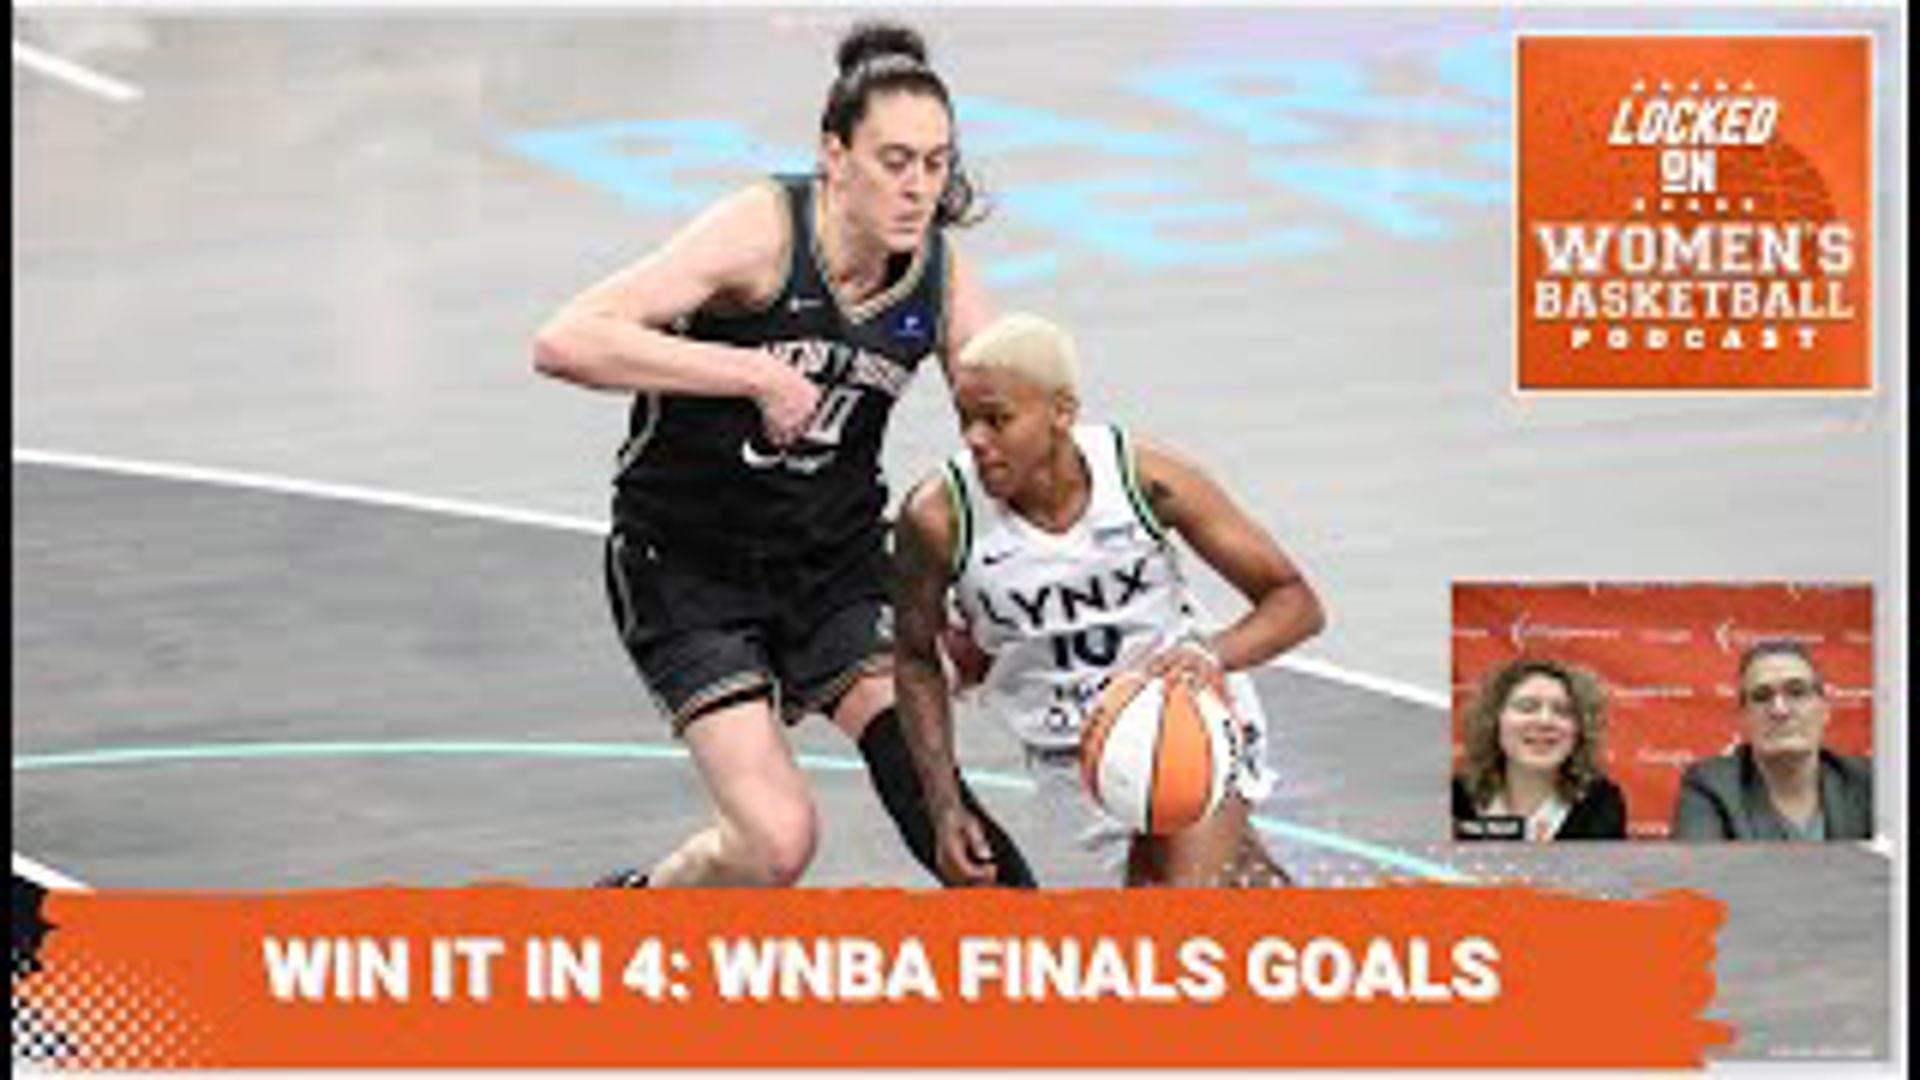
(1792, 691)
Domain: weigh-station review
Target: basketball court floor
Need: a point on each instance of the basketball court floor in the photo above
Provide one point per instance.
(305, 555)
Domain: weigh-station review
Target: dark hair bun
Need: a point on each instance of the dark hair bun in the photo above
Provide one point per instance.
(870, 39)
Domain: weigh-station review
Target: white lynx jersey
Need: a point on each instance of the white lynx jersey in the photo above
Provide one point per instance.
(1059, 611)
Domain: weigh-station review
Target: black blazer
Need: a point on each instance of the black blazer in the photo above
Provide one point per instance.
(1725, 798)
(1601, 814)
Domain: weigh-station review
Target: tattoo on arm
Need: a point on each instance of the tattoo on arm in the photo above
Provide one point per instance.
(920, 587)
(919, 593)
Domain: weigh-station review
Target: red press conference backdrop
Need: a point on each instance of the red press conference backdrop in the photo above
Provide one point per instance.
(1667, 656)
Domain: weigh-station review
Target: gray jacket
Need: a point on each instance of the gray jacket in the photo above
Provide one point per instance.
(1725, 798)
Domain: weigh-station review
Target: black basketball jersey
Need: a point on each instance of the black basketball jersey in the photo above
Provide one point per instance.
(700, 470)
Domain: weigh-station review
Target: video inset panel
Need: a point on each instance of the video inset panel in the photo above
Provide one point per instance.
(1686, 711)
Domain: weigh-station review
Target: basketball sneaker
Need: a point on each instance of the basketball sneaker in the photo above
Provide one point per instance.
(630, 878)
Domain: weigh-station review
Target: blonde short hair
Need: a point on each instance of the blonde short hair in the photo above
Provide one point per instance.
(1026, 345)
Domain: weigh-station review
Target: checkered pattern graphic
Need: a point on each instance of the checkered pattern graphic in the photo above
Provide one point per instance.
(92, 1016)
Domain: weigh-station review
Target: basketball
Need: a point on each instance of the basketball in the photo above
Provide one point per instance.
(1156, 753)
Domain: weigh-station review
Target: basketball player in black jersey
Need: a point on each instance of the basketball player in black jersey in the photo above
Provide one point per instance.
(765, 346)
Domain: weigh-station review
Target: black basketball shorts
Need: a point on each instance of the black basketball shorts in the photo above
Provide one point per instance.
(707, 628)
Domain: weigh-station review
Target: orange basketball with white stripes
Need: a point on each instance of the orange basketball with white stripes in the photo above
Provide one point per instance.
(1156, 753)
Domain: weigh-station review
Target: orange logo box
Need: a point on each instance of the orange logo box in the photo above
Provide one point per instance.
(1694, 213)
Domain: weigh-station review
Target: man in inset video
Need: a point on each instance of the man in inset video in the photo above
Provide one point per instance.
(1779, 784)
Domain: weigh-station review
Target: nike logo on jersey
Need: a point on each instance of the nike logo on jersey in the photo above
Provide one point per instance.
(798, 304)
(1057, 604)
(995, 558)
(804, 464)
(757, 460)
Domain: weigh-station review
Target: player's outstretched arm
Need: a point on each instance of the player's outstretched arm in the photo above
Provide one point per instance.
(613, 335)
(923, 553)
(1285, 609)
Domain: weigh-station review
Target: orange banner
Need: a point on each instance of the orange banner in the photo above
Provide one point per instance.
(1667, 655)
(1694, 212)
(509, 976)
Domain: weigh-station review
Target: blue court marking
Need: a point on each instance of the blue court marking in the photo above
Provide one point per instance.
(1141, 198)
(1389, 199)
(1293, 103)
(1022, 268)
(1000, 128)
(150, 755)
(1136, 217)
(658, 165)
(1482, 67)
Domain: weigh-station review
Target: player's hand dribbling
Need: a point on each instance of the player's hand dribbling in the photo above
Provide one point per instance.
(787, 401)
(966, 858)
(1192, 661)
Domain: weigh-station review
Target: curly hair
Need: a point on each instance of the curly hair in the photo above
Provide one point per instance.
(1486, 764)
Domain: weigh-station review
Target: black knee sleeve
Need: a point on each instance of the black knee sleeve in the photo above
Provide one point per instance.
(890, 766)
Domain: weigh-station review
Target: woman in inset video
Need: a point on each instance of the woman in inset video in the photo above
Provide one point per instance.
(1533, 759)
(1780, 783)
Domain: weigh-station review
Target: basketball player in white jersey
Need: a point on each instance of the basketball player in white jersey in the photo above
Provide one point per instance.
(1055, 540)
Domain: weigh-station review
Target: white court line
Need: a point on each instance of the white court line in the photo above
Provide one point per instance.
(308, 488)
(1360, 680)
(44, 875)
(47, 876)
(73, 74)
(1393, 688)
